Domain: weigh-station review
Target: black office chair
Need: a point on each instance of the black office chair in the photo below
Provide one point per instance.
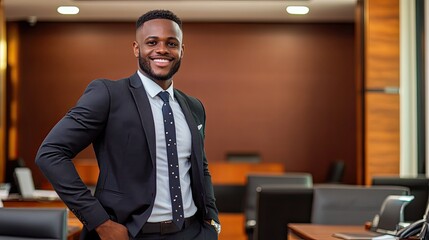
(391, 214)
(33, 223)
(350, 204)
(336, 172)
(419, 188)
(11, 165)
(229, 197)
(279, 205)
(256, 180)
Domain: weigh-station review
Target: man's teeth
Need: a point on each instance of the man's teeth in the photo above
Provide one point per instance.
(161, 60)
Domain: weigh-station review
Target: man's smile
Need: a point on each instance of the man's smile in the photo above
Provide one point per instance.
(161, 62)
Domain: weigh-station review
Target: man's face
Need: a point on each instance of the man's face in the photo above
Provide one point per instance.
(159, 48)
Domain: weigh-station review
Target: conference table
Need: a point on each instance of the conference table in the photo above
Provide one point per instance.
(305, 231)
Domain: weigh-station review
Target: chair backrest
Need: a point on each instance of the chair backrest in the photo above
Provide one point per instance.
(24, 179)
(229, 197)
(391, 214)
(419, 188)
(257, 180)
(279, 205)
(336, 172)
(33, 223)
(350, 204)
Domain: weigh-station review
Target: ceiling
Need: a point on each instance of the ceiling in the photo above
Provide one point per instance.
(191, 10)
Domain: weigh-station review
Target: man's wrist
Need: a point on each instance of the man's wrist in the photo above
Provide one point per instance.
(100, 227)
(216, 226)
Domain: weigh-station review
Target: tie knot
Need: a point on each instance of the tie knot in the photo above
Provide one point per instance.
(164, 96)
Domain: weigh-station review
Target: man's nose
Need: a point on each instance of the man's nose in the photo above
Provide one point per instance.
(162, 48)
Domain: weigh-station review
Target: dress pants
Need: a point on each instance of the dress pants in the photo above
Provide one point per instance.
(196, 231)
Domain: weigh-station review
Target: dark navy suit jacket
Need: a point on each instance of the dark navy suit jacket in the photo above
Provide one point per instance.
(115, 116)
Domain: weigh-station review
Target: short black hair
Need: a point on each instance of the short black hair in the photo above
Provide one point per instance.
(158, 14)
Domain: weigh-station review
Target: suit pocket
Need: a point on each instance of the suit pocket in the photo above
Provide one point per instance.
(209, 232)
(110, 197)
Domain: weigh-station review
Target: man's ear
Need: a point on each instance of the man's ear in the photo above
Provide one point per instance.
(136, 49)
(183, 51)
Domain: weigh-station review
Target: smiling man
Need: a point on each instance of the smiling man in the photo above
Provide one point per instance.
(148, 138)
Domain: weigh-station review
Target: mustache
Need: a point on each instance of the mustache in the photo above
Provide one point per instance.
(145, 67)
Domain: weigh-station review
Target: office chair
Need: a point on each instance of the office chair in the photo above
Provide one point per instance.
(419, 188)
(257, 180)
(229, 197)
(11, 165)
(279, 205)
(350, 204)
(33, 223)
(336, 172)
(391, 214)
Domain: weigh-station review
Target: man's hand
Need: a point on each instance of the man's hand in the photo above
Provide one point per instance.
(214, 224)
(111, 230)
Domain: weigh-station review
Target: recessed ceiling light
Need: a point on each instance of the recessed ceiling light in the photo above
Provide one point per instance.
(68, 10)
(301, 10)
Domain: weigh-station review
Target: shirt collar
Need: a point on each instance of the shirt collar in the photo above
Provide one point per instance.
(152, 88)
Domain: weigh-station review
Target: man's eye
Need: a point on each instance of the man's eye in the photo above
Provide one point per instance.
(151, 43)
(172, 44)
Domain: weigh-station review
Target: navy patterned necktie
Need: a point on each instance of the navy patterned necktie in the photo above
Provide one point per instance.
(173, 161)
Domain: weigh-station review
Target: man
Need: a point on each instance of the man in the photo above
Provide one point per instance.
(148, 138)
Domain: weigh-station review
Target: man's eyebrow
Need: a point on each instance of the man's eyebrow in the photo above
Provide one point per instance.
(151, 37)
(156, 37)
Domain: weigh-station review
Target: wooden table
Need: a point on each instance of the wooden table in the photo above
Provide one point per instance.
(307, 231)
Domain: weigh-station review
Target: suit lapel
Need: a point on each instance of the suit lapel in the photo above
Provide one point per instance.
(143, 106)
(196, 136)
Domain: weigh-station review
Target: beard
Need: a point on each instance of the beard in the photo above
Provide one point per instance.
(145, 67)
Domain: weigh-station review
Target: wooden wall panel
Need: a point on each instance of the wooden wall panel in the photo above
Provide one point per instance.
(382, 43)
(382, 134)
(3, 61)
(278, 90)
(359, 78)
(381, 71)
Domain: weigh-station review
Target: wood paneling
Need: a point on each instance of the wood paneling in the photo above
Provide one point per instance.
(382, 43)
(382, 134)
(278, 90)
(381, 58)
(3, 61)
(359, 56)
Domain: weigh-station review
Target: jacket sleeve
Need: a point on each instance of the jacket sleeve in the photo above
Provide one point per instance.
(199, 113)
(73, 133)
(210, 198)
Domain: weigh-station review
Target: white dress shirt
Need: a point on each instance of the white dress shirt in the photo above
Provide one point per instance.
(162, 206)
